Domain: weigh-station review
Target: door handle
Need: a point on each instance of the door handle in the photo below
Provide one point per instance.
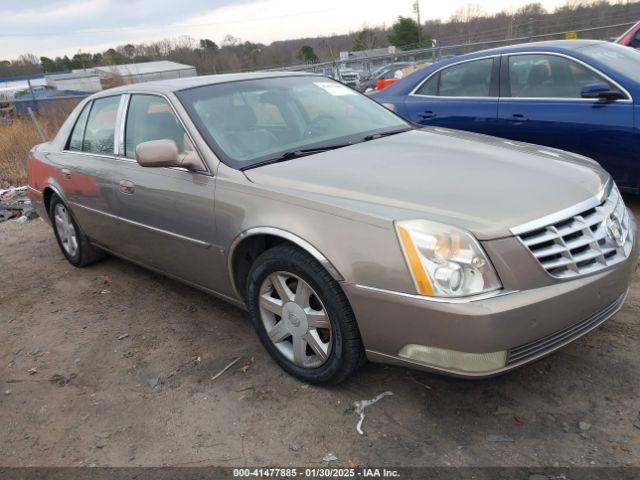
(427, 114)
(518, 118)
(127, 187)
(66, 173)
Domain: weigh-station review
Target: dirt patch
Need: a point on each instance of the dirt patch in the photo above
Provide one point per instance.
(113, 365)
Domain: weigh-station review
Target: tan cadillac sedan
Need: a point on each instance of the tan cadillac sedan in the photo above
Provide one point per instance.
(345, 232)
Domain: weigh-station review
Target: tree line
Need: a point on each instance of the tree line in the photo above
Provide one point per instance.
(467, 25)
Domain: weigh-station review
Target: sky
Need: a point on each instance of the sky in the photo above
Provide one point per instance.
(58, 27)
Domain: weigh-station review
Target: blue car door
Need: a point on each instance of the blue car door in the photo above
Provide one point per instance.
(541, 102)
(462, 96)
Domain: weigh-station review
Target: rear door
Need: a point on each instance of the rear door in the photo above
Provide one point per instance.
(541, 103)
(462, 96)
(86, 169)
(166, 214)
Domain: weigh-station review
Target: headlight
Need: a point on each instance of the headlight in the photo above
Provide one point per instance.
(389, 106)
(445, 261)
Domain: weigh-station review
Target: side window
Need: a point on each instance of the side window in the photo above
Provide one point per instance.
(150, 117)
(75, 140)
(469, 79)
(430, 87)
(99, 132)
(549, 76)
(388, 75)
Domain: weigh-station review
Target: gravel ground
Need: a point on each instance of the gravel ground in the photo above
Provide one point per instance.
(112, 365)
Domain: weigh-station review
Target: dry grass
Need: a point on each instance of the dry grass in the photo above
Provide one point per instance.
(18, 136)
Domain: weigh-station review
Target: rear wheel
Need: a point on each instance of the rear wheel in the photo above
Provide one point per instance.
(73, 243)
(302, 316)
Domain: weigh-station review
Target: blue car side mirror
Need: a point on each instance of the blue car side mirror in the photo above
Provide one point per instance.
(601, 91)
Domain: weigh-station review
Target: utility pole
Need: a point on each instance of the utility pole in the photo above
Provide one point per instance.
(33, 94)
(416, 10)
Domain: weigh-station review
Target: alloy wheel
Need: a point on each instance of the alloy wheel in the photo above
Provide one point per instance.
(66, 230)
(295, 320)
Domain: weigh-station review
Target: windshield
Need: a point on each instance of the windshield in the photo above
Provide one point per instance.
(251, 121)
(623, 59)
(386, 68)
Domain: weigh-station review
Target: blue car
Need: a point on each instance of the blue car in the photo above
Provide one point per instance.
(582, 96)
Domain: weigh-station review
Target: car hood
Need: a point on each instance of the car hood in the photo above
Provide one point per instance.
(484, 184)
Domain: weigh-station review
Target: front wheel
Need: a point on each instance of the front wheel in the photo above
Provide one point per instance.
(302, 317)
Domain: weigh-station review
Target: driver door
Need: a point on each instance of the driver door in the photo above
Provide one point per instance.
(541, 103)
(167, 214)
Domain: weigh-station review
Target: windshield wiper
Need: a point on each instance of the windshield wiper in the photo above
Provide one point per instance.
(373, 136)
(302, 152)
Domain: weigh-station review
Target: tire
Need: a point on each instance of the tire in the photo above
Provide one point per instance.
(333, 348)
(73, 243)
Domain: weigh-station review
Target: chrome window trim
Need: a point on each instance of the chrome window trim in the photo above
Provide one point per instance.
(629, 98)
(91, 100)
(115, 125)
(81, 106)
(415, 296)
(89, 154)
(565, 213)
(175, 113)
(120, 124)
(414, 94)
(129, 160)
(120, 127)
(313, 251)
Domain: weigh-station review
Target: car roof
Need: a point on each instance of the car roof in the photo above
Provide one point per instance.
(177, 84)
(549, 46)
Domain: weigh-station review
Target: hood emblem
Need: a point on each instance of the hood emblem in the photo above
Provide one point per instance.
(615, 231)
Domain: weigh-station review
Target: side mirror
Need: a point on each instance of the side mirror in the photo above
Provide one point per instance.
(600, 91)
(165, 153)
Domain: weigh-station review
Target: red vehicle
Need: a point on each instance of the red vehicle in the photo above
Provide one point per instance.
(630, 38)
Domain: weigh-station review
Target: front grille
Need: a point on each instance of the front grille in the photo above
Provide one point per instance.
(584, 242)
(552, 342)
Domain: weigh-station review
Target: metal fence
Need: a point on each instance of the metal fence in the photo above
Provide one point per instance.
(11, 108)
(336, 68)
(437, 52)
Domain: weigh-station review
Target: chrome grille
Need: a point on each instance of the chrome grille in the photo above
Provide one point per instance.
(584, 242)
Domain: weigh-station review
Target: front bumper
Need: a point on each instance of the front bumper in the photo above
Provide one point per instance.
(527, 324)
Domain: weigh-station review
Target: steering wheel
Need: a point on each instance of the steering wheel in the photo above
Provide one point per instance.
(317, 122)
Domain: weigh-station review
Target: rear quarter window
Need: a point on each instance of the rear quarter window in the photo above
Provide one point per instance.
(75, 140)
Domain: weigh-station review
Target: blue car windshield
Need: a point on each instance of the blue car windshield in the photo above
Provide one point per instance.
(623, 59)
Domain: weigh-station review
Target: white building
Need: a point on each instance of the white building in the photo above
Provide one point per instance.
(78, 80)
(9, 89)
(146, 72)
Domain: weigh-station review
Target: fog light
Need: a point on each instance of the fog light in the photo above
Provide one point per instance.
(452, 360)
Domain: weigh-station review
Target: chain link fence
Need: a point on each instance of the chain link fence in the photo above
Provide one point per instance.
(439, 50)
